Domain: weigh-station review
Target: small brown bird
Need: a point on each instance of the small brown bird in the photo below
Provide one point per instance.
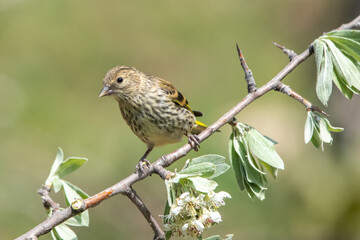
(155, 111)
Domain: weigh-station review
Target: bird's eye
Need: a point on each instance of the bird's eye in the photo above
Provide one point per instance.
(120, 79)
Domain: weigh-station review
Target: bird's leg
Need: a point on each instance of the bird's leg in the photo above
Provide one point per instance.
(194, 141)
(143, 160)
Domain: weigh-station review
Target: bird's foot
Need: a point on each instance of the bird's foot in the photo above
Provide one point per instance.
(194, 141)
(142, 163)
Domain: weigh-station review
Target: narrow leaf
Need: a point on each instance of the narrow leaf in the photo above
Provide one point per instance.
(235, 162)
(309, 128)
(263, 149)
(58, 160)
(70, 165)
(56, 182)
(204, 169)
(63, 232)
(332, 128)
(202, 184)
(324, 72)
(345, 67)
(71, 194)
(325, 135)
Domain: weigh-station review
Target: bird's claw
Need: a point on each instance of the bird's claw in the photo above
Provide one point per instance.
(194, 141)
(140, 165)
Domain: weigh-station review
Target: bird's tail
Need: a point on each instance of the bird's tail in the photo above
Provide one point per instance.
(199, 127)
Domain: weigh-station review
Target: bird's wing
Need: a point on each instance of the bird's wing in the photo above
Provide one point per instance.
(175, 95)
(179, 99)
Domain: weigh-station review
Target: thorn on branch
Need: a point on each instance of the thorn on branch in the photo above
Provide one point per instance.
(290, 53)
(250, 81)
(281, 87)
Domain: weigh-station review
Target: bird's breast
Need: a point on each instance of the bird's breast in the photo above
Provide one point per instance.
(158, 124)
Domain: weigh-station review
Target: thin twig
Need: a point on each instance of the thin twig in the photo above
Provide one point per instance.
(249, 78)
(288, 91)
(121, 187)
(290, 53)
(354, 24)
(46, 199)
(132, 195)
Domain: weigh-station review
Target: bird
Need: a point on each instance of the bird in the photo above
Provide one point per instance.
(153, 108)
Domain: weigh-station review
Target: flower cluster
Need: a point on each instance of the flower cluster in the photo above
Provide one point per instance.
(193, 212)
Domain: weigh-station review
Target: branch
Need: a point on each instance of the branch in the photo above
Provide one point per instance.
(281, 87)
(290, 53)
(132, 195)
(121, 187)
(354, 24)
(250, 81)
(46, 199)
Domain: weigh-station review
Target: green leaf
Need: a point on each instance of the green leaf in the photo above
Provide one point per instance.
(235, 162)
(324, 72)
(343, 87)
(345, 67)
(349, 34)
(77, 221)
(217, 237)
(258, 191)
(263, 149)
(309, 127)
(212, 158)
(70, 165)
(331, 128)
(56, 182)
(63, 232)
(166, 212)
(325, 135)
(202, 184)
(220, 169)
(218, 161)
(253, 175)
(273, 171)
(79, 191)
(315, 140)
(58, 159)
(347, 45)
(204, 169)
(168, 235)
(72, 194)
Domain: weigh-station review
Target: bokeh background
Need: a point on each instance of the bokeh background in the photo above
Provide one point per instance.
(54, 54)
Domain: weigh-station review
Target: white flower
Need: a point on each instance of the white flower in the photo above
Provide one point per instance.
(199, 226)
(185, 196)
(174, 211)
(185, 227)
(215, 217)
(210, 217)
(218, 198)
(193, 228)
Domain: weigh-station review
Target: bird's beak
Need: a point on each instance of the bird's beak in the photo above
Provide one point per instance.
(105, 91)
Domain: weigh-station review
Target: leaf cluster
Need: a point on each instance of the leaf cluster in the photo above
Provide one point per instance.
(59, 169)
(337, 55)
(250, 154)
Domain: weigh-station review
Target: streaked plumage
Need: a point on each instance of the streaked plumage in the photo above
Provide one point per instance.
(155, 111)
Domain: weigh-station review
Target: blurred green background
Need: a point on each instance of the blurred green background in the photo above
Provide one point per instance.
(54, 54)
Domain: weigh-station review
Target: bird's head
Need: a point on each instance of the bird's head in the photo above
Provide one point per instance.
(121, 82)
